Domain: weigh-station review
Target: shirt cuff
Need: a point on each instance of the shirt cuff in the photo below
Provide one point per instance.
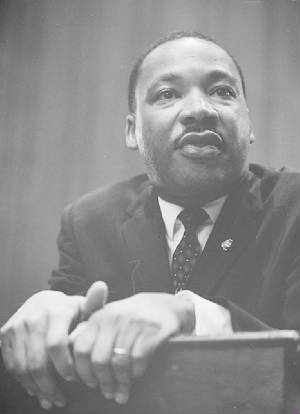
(210, 318)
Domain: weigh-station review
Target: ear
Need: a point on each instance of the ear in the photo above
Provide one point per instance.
(252, 136)
(131, 141)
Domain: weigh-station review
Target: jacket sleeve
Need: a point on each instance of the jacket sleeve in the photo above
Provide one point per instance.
(69, 277)
(242, 320)
(291, 306)
(288, 317)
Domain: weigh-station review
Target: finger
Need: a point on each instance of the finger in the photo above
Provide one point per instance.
(44, 402)
(101, 357)
(95, 298)
(48, 392)
(82, 347)
(146, 343)
(41, 369)
(15, 361)
(76, 332)
(13, 351)
(121, 359)
(121, 368)
(19, 363)
(57, 344)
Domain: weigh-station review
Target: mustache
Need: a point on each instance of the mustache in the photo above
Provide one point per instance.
(199, 135)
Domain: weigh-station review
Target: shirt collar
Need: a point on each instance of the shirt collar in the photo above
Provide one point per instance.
(170, 211)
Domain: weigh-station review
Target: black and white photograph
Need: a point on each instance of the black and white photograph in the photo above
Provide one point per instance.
(149, 206)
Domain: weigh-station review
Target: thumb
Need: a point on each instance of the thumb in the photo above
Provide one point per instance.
(95, 298)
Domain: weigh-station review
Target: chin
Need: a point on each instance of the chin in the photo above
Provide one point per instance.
(199, 189)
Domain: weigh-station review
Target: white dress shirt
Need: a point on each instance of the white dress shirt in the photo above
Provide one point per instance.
(211, 318)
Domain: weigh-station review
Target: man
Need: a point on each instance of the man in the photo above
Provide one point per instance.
(236, 268)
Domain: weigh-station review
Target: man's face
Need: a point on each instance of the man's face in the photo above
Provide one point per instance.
(191, 124)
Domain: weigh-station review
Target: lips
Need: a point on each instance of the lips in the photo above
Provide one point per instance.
(194, 144)
(200, 139)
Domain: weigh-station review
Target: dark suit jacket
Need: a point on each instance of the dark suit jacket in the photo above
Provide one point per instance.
(117, 235)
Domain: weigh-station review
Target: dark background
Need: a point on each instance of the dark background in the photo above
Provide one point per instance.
(64, 66)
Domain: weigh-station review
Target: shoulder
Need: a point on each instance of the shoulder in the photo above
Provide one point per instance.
(282, 183)
(109, 201)
(279, 190)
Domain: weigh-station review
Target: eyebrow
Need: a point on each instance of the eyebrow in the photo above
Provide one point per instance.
(166, 77)
(214, 75)
(218, 74)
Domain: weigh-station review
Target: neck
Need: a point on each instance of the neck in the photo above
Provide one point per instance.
(197, 198)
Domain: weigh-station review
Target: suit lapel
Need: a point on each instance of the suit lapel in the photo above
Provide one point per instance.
(237, 224)
(144, 234)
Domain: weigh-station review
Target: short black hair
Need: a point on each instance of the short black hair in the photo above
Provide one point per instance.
(168, 38)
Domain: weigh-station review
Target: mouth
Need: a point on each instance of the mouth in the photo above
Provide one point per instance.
(195, 144)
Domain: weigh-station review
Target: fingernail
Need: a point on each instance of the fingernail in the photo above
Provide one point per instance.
(60, 403)
(31, 393)
(69, 378)
(46, 404)
(91, 385)
(121, 398)
(108, 395)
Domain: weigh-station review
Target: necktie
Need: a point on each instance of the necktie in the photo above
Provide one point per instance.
(188, 250)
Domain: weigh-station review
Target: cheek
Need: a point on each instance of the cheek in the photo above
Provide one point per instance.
(154, 132)
(149, 141)
(244, 134)
(238, 125)
(242, 141)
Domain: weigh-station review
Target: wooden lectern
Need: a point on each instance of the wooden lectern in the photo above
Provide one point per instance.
(245, 373)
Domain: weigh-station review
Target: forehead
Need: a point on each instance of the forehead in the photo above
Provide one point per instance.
(186, 53)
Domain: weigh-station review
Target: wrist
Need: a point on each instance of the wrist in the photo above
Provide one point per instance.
(74, 305)
(188, 319)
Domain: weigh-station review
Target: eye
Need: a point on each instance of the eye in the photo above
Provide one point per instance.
(166, 95)
(224, 92)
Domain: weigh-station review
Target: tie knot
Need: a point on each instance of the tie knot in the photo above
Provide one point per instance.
(192, 218)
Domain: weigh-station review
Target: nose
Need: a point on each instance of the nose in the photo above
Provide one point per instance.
(197, 108)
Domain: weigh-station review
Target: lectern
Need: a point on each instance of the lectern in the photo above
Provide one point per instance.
(244, 373)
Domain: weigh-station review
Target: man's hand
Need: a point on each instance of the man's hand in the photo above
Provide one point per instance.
(35, 340)
(113, 346)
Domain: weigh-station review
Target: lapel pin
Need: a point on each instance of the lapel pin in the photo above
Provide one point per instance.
(226, 244)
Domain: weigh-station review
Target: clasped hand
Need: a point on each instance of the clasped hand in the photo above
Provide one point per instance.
(113, 346)
(107, 350)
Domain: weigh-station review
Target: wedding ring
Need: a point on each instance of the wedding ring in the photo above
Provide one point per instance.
(120, 352)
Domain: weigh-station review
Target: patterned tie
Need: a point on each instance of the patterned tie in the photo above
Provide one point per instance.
(188, 250)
